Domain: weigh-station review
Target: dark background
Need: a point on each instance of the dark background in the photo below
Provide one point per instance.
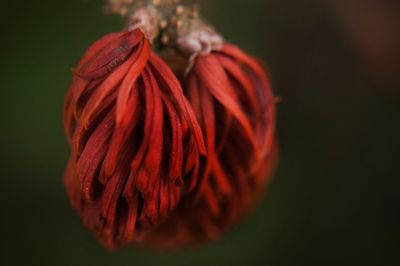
(335, 198)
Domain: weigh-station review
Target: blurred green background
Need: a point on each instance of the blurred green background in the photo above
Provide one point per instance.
(335, 199)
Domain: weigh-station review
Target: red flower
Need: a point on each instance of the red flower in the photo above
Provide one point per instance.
(140, 170)
(235, 107)
(134, 139)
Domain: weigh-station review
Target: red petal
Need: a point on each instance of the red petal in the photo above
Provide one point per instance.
(106, 88)
(111, 56)
(212, 75)
(93, 154)
(174, 89)
(122, 133)
(134, 72)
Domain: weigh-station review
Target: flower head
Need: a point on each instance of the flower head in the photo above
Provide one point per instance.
(233, 101)
(134, 139)
(156, 164)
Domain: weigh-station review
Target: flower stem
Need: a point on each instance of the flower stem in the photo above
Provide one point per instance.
(177, 26)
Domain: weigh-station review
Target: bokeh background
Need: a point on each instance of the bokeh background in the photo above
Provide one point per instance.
(335, 198)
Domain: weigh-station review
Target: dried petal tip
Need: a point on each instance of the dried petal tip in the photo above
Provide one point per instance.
(191, 34)
(146, 19)
(200, 42)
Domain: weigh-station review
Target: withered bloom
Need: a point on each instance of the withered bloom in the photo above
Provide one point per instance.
(156, 164)
(234, 104)
(133, 136)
